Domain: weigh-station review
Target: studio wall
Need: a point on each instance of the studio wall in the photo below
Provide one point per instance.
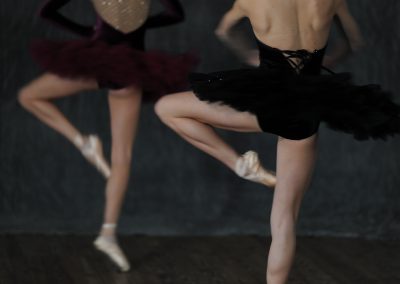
(46, 186)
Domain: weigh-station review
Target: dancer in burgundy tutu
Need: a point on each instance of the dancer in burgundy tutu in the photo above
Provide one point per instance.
(110, 56)
(286, 95)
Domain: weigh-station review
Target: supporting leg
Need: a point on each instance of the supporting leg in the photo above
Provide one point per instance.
(124, 109)
(295, 165)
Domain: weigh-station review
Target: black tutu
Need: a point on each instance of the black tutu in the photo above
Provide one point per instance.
(290, 100)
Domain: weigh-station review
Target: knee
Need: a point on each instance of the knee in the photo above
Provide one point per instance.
(26, 97)
(276, 269)
(161, 108)
(121, 159)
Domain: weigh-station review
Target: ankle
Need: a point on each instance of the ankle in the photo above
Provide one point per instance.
(231, 161)
(79, 141)
(108, 230)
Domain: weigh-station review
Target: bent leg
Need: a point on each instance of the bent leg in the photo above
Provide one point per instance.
(192, 120)
(295, 165)
(36, 96)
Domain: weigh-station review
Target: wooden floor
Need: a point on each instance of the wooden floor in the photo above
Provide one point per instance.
(179, 260)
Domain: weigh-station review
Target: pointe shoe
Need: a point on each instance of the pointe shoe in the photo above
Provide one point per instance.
(114, 253)
(92, 150)
(249, 167)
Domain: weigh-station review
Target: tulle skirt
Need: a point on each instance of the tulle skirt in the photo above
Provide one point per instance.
(293, 105)
(115, 66)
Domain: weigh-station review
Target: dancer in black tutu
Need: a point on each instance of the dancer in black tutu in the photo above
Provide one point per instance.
(286, 95)
(110, 56)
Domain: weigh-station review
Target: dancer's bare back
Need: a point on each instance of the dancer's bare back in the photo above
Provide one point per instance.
(292, 24)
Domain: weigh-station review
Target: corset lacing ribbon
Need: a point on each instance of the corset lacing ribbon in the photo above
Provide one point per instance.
(303, 57)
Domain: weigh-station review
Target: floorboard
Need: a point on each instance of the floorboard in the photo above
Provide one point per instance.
(36, 259)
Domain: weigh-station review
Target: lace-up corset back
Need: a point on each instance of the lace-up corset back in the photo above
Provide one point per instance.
(125, 16)
(297, 61)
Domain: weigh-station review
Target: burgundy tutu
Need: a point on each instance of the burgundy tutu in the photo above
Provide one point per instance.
(156, 73)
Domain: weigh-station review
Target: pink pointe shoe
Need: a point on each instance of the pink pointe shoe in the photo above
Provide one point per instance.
(249, 167)
(92, 149)
(112, 250)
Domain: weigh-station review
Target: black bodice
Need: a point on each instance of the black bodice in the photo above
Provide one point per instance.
(297, 61)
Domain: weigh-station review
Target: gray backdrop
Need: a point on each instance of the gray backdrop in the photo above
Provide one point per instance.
(45, 185)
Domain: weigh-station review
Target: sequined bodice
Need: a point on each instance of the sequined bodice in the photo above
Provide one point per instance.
(293, 61)
(119, 21)
(123, 15)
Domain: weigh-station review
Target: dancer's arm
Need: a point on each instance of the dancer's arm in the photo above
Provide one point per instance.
(340, 48)
(350, 26)
(172, 14)
(49, 11)
(238, 46)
